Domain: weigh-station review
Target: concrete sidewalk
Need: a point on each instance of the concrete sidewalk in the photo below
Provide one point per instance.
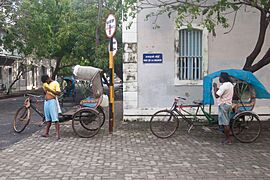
(132, 152)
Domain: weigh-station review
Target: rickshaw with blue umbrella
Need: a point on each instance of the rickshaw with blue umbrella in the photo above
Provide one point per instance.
(69, 87)
(245, 123)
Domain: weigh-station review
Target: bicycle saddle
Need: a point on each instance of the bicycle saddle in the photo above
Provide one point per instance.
(199, 102)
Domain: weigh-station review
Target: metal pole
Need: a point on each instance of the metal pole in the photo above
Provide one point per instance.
(111, 84)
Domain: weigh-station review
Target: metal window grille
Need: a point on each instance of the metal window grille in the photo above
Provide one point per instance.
(190, 55)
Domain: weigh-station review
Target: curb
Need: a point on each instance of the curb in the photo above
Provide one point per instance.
(17, 94)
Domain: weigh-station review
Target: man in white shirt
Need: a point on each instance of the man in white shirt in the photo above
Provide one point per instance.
(224, 94)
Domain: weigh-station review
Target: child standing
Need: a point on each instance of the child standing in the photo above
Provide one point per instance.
(51, 89)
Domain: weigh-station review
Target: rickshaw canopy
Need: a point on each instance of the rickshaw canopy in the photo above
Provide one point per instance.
(92, 74)
(68, 78)
(86, 72)
(261, 92)
(71, 79)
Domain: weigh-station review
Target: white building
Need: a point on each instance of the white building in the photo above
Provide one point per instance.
(9, 66)
(156, 71)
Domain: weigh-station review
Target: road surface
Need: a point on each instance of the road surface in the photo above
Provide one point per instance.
(8, 108)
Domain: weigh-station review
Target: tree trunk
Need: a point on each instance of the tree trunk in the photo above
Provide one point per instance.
(263, 27)
(99, 16)
(100, 4)
(263, 62)
(16, 79)
(11, 85)
(57, 68)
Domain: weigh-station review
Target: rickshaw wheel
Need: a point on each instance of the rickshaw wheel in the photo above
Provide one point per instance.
(246, 127)
(21, 119)
(163, 124)
(86, 123)
(101, 114)
(102, 119)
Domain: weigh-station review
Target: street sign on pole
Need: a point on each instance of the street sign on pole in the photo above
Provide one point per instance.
(114, 46)
(110, 26)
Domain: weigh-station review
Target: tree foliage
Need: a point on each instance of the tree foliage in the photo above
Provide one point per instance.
(210, 14)
(64, 30)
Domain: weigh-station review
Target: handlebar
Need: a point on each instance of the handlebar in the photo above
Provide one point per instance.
(179, 97)
(33, 95)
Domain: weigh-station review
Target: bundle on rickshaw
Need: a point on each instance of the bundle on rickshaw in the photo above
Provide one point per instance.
(88, 116)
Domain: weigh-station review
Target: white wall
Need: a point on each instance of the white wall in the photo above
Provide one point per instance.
(155, 82)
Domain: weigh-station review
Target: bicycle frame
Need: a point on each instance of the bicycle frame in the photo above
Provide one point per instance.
(180, 110)
(28, 103)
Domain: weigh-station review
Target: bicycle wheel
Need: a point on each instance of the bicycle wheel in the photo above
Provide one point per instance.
(86, 123)
(163, 124)
(246, 127)
(21, 119)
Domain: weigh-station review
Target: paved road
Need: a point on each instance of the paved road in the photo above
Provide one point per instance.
(8, 108)
(132, 152)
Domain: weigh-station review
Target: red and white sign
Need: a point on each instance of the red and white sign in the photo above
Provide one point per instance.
(110, 26)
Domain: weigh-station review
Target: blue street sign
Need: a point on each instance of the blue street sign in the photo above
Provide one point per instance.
(153, 58)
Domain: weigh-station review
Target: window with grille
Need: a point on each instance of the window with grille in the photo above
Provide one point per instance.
(189, 62)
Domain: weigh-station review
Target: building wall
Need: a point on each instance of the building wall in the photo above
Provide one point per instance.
(26, 82)
(130, 66)
(155, 86)
(31, 80)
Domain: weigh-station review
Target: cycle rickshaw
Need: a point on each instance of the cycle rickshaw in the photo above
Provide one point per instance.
(245, 124)
(68, 87)
(87, 117)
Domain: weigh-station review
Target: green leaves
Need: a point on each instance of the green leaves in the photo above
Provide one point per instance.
(60, 29)
(207, 13)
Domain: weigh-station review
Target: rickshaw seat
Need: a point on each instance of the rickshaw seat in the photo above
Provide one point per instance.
(89, 102)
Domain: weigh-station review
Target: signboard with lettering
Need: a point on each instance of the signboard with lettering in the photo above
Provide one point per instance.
(153, 58)
(114, 46)
(110, 25)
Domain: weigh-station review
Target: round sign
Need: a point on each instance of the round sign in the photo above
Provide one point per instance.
(114, 46)
(110, 26)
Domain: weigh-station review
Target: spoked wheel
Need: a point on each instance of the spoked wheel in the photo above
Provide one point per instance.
(246, 127)
(244, 96)
(163, 124)
(86, 123)
(101, 114)
(21, 119)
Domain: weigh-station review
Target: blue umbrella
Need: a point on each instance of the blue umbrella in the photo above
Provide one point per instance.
(261, 92)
